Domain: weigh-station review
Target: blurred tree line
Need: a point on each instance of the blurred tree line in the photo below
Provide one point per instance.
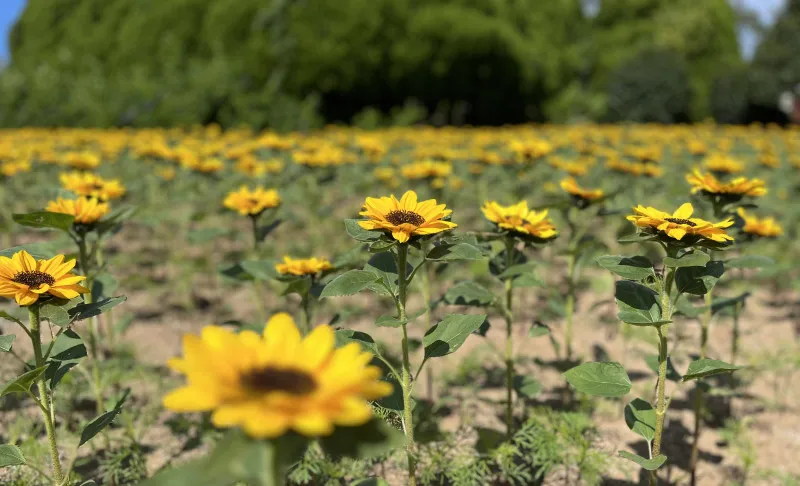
(296, 64)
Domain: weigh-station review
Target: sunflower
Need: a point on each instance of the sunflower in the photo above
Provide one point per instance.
(680, 223)
(722, 164)
(26, 279)
(764, 227)
(271, 383)
(583, 196)
(252, 202)
(90, 185)
(85, 210)
(520, 220)
(303, 266)
(731, 191)
(405, 218)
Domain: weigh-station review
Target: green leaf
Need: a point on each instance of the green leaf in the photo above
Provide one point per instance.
(369, 482)
(347, 336)
(517, 270)
(690, 259)
(637, 304)
(601, 379)
(97, 425)
(719, 305)
(366, 441)
(57, 311)
(641, 418)
(9, 317)
(538, 329)
(488, 440)
(631, 268)
(447, 335)
(358, 233)
(6, 342)
(349, 283)
(236, 272)
(651, 360)
(204, 235)
(85, 311)
(103, 286)
(41, 250)
(455, 252)
(384, 266)
(260, 269)
(391, 321)
(468, 293)
(749, 261)
(45, 219)
(699, 280)
(526, 280)
(68, 346)
(703, 368)
(647, 464)
(11, 455)
(263, 231)
(299, 286)
(527, 386)
(22, 383)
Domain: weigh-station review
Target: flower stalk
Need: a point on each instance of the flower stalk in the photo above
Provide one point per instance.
(408, 419)
(509, 350)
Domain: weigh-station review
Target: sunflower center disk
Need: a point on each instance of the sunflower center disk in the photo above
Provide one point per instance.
(272, 379)
(402, 216)
(681, 221)
(34, 278)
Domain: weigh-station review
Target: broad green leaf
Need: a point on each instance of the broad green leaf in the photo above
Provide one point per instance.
(719, 305)
(647, 464)
(9, 317)
(6, 341)
(651, 360)
(637, 304)
(236, 272)
(632, 268)
(349, 283)
(447, 335)
(11, 455)
(685, 307)
(698, 280)
(526, 280)
(68, 346)
(640, 417)
(527, 386)
(517, 270)
(85, 311)
(260, 269)
(97, 425)
(358, 233)
(749, 261)
(45, 219)
(265, 230)
(299, 286)
(391, 321)
(347, 336)
(497, 265)
(601, 379)
(384, 266)
(363, 442)
(455, 252)
(703, 368)
(538, 329)
(691, 259)
(103, 286)
(468, 293)
(23, 382)
(57, 311)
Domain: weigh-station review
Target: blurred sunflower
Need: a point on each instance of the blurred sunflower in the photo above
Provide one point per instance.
(584, 197)
(520, 220)
(722, 164)
(406, 217)
(271, 383)
(90, 185)
(680, 223)
(26, 279)
(732, 191)
(763, 227)
(303, 266)
(85, 210)
(252, 202)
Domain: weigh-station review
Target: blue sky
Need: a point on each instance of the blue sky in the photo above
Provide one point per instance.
(11, 9)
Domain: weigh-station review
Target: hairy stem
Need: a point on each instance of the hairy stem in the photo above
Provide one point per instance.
(663, 355)
(705, 323)
(408, 419)
(509, 357)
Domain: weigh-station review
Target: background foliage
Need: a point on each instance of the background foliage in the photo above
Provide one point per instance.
(298, 64)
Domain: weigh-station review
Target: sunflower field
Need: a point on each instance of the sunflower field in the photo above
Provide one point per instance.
(522, 305)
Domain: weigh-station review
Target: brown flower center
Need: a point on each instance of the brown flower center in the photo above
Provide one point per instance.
(681, 221)
(34, 278)
(402, 216)
(272, 379)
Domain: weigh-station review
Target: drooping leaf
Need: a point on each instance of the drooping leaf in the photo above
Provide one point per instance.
(45, 219)
(749, 261)
(9, 317)
(538, 329)
(6, 342)
(651, 360)
(640, 417)
(691, 259)
(346, 336)
(57, 311)
(384, 266)
(637, 304)
(455, 252)
(391, 321)
(647, 464)
(260, 269)
(98, 424)
(68, 346)
(468, 293)
(103, 286)
(447, 335)
(602, 379)
(349, 283)
(358, 233)
(631, 268)
(23, 382)
(85, 311)
(699, 280)
(527, 386)
(11, 455)
(703, 368)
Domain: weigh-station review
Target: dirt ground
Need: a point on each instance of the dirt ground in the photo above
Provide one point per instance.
(773, 422)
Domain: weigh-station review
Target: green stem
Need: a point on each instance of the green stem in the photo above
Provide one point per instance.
(426, 296)
(509, 356)
(705, 323)
(736, 332)
(408, 419)
(661, 405)
(569, 309)
(44, 396)
(305, 314)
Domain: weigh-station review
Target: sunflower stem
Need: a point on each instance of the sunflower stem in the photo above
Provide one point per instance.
(305, 313)
(509, 356)
(408, 419)
(698, 398)
(661, 404)
(426, 296)
(44, 396)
